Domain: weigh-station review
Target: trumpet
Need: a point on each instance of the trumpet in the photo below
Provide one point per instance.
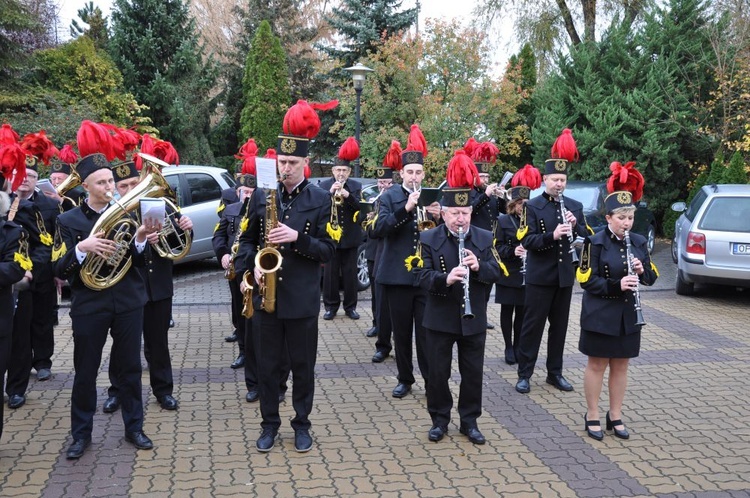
(338, 197)
(461, 255)
(631, 271)
(423, 222)
(571, 237)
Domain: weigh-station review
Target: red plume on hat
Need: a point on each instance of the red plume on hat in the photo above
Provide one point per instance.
(301, 120)
(8, 135)
(68, 155)
(462, 172)
(165, 151)
(416, 140)
(248, 152)
(13, 164)
(308, 171)
(270, 154)
(470, 145)
(485, 152)
(393, 157)
(626, 177)
(349, 150)
(565, 147)
(39, 146)
(94, 138)
(528, 176)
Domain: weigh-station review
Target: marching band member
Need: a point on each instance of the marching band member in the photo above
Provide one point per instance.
(291, 220)
(550, 270)
(397, 225)
(59, 172)
(460, 265)
(611, 270)
(346, 194)
(117, 309)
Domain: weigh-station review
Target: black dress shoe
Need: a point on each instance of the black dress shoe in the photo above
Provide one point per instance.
(510, 356)
(43, 374)
(490, 326)
(401, 390)
(231, 338)
(76, 450)
(329, 314)
(168, 402)
(372, 332)
(598, 435)
(523, 386)
(559, 382)
(252, 396)
(16, 401)
(622, 434)
(474, 435)
(239, 362)
(111, 405)
(353, 314)
(437, 432)
(302, 441)
(266, 441)
(379, 356)
(139, 440)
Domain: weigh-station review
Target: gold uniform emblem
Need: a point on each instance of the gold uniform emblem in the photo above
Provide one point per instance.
(288, 145)
(30, 161)
(122, 171)
(624, 197)
(57, 167)
(462, 199)
(560, 165)
(380, 172)
(412, 157)
(523, 192)
(100, 161)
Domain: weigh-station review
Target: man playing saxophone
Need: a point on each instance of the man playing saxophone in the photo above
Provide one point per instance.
(116, 309)
(288, 224)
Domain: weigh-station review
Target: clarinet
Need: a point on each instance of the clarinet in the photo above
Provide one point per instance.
(637, 292)
(461, 255)
(571, 237)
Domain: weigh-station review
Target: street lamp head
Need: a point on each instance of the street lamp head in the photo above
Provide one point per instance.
(359, 73)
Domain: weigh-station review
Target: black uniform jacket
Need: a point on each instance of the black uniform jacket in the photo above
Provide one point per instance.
(49, 210)
(228, 196)
(226, 231)
(605, 306)
(548, 261)
(157, 271)
(10, 270)
(398, 228)
(128, 294)
(445, 304)
(31, 219)
(298, 279)
(73, 198)
(484, 209)
(352, 231)
(507, 241)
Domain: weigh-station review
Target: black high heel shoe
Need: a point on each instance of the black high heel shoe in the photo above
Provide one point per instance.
(598, 435)
(622, 434)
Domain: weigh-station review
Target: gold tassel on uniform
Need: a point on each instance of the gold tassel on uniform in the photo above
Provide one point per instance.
(334, 233)
(356, 215)
(243, 225)
(583, 273)
(415, 260)
(500, 263)
(653, 267)
(46, 239)
(22, 256)
(523, 228)
(217, 227)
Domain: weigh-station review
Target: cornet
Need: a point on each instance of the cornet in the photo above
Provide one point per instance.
(338, 197)
(423, 222)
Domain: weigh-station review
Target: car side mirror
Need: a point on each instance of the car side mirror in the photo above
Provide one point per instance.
(679, 206)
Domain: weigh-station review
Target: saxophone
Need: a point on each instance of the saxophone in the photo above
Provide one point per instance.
(268, 260)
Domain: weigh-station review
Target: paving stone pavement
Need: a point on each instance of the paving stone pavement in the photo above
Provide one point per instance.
(685, 408)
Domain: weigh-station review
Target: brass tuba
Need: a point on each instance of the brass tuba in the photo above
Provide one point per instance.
(268, 260)
(72, 181)
(118, 225)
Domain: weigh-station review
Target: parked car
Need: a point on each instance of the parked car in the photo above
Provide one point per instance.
(592, 195)
(198, 190)
(711, 242)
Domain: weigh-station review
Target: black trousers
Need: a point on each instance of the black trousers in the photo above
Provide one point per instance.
(19, 360)
(406, 305)
(6, 339)
(155, 349)
(344, 263)
(44, 296)
(299, 337)
(543, 303)
(237, 318)
(373, 301)
(89, 336)
(251, 360)
(470, 366)
(381, 316)
(511, 326)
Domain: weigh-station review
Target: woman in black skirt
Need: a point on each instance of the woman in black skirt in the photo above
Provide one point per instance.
(610, 335)
(510, 290)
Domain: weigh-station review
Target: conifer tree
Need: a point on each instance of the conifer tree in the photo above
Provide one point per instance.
(735, 173)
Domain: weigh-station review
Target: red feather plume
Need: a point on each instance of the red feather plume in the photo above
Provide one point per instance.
(470, 146)
(39, 146)
(416, 140)
(8, 135)
(308, 171)
(626, 177)
(393, 157)
(485, 152)
(270, 154)
(165, 151)
(462, 172)
(349, 150)
(248, 152)
(565, 147)
(68, 155)
(129, 138)
(94, 138)
(13, 164)
(301, 120)
(528, 176)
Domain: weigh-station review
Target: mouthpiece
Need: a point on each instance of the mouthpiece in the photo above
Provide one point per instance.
(108, 195)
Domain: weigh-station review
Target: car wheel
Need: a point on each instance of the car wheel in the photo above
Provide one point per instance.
(682, 287)
(363, 276)
(651, 239)
(674, 250)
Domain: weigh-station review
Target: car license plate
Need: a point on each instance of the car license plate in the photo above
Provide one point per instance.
(740, 249)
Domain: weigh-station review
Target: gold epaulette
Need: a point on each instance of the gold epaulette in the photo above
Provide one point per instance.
(653, 267)
(583, 273)
(220, 208)
(217, 227)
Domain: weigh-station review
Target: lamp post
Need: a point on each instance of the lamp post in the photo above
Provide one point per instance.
(359, 74)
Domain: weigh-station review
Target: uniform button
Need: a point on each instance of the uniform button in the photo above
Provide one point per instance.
(281, 278)
(150, 270)
(560, 260)
(286, 217)
(415, 247)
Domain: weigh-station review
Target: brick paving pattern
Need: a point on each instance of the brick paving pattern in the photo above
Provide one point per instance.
(685, 408)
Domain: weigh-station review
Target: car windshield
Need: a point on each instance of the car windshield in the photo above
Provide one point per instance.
(728, 214)
(586, 195)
